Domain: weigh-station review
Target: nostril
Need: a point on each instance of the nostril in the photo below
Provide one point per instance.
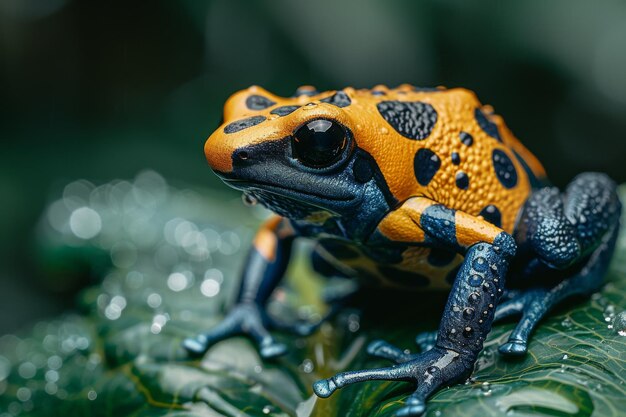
(243, 155)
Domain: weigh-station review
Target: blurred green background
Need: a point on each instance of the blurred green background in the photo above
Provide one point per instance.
(101, 90)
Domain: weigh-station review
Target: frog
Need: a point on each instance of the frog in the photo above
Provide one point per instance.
(416, 189)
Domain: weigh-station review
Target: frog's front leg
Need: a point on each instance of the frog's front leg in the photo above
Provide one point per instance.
(468, 314)
(265, 266)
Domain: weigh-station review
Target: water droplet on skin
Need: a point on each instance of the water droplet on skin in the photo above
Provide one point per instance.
(468, 331)
(249, 200)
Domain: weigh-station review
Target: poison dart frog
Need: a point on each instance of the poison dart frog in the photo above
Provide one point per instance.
(413, 188)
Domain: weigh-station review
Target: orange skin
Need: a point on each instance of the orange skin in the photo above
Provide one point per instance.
(394, 155)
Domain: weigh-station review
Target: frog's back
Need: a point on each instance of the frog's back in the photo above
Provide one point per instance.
(444, 145)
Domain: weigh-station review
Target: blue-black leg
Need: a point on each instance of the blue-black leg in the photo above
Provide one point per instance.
(577, 227)
(465, 324)
(264, 268)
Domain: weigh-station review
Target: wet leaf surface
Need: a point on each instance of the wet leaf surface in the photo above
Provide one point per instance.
(169, 258)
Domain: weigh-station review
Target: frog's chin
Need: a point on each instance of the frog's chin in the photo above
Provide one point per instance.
(294, 203)
(305, 196)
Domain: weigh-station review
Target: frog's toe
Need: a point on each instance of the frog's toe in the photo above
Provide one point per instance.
(426, 340)
(195, 346)
(514, 348)
(270, 349)
(381, 349)
(414, 407)
(324, 388)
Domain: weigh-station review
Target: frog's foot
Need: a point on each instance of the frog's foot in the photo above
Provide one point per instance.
(533, 305)
(306, 328)
(429, 370)
(245, 318)
(575, 229)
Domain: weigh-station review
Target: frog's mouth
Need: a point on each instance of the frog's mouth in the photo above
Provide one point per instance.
(291, 202)
(304, 196)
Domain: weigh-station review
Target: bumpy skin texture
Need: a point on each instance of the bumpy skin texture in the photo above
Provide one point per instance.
(415, 189)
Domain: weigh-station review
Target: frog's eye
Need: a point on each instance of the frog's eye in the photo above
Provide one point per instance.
(319, 143)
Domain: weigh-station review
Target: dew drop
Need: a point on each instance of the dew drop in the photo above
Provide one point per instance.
(23, 394)
(609, 313)
(475, 280)
(27, 370)
(619, 324)
(154, 300)
(468, 331)
(306, 366)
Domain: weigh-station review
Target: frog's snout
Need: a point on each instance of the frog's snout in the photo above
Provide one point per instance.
(219, 154)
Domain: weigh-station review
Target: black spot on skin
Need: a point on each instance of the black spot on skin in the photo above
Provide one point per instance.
(362, 170)
(491, 214)
(284, 110)
(505, 170)
(462, 180)
(440, 257)
(256, 102)
(487, 125)
(413, 120)
(480, 264)
(405, 278)
(456, 158)
(426, 164)
(378, 93)
(466, 138)
(339, 99)
(242, 124)
(305, 91)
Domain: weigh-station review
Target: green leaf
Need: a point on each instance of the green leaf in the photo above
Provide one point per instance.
(173, 257)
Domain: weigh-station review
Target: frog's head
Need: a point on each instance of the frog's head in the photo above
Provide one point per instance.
(298, 156)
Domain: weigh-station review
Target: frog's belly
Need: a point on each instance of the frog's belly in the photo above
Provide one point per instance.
(410, 267)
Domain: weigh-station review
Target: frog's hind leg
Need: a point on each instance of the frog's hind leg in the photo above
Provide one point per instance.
(564, 230)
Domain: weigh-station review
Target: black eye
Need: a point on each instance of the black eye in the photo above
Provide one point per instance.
(319, 143)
